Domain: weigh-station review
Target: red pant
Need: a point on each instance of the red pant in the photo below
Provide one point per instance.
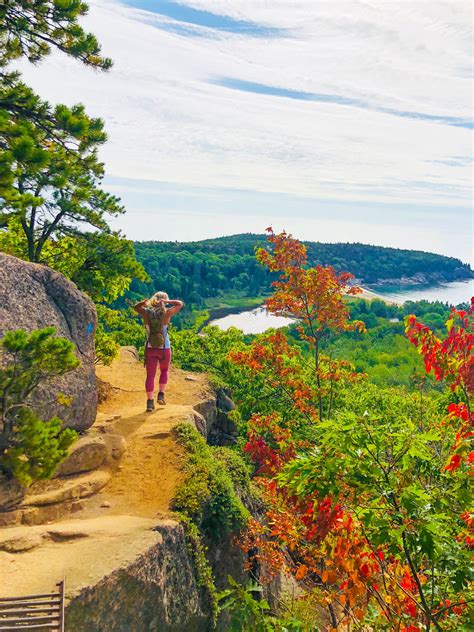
(152, 357)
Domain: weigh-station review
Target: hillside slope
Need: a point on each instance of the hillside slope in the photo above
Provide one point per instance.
(201, 270)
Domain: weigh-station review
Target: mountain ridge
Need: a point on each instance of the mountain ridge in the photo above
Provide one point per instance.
(201, 271)
(261, 238)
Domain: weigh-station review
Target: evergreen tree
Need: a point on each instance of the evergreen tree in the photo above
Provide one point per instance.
(30, 28)
(31, 448)
(50, 175)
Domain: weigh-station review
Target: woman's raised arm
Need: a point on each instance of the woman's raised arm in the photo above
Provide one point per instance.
(139, 307)
(177, 305)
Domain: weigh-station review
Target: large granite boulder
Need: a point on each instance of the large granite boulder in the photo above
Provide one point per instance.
(34, 296)
(86, 454)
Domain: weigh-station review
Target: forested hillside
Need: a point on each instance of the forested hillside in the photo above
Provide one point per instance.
(199, 270)
(357, 427)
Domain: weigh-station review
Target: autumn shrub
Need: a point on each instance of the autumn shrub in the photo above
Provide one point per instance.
(372, 507)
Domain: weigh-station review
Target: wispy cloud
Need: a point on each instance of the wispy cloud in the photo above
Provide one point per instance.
(345, 102)
(188, 213)
(260, 88)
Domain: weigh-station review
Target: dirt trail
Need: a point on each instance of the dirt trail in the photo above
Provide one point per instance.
(103, 535)
(149, 472)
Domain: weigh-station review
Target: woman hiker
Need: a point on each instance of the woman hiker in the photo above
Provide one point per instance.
(157, 316)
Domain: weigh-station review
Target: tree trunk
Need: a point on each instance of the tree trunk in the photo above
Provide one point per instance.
(29, 238)
(318, 379)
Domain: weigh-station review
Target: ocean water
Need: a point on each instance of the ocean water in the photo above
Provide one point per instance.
(452, 293)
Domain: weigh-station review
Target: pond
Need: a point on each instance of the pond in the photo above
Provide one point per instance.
(254, 321)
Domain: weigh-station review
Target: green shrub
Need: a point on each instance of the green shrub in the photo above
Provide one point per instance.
(31, 448)
(197, 551)
(106, 349)
(250, 611)
(209, 496)
(209, 500)
(238, 470)
(117, 328)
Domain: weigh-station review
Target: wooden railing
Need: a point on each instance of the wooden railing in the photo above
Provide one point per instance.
(33, 612)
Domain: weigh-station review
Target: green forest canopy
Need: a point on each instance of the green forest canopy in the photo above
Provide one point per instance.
(196, 271)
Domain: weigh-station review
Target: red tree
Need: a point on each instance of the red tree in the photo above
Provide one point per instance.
(314, 296)
(452, 360)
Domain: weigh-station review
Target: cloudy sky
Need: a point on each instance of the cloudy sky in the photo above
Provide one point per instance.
(338, 120)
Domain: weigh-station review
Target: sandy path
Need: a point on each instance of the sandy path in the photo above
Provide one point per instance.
(140, 491)
(145, 480)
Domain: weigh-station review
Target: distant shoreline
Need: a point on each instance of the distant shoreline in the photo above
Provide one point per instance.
(369, 295)
(216, 313)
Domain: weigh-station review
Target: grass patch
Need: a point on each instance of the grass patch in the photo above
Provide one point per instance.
(236, 300)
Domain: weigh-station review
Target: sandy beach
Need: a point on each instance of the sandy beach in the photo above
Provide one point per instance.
(369, 295)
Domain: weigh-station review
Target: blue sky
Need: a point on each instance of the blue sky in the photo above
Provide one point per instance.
(184, 15)
(337, 120)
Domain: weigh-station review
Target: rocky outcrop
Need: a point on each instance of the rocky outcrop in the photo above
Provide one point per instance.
(51, 493)
(90, 452)
(52, 500)
(33, 297)
(128, 563)
(158, 591)
(221, 429)
(11, 493)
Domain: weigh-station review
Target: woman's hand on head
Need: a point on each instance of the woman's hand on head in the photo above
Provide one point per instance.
(139, 307)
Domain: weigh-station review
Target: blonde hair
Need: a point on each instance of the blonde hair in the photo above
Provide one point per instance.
(157, 301)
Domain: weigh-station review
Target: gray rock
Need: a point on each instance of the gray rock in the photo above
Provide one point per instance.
(88, 453)
(224, 402)
(159, 591)
(200, 423)
(33, 296)
(208, 409)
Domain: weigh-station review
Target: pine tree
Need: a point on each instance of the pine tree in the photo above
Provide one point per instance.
(32, 28)
(31, 448)
(53, 209)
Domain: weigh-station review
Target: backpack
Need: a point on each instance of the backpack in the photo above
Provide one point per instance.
(155, 332)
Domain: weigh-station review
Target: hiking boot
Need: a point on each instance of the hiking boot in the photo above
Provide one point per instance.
(150, 405)
(161, 399)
